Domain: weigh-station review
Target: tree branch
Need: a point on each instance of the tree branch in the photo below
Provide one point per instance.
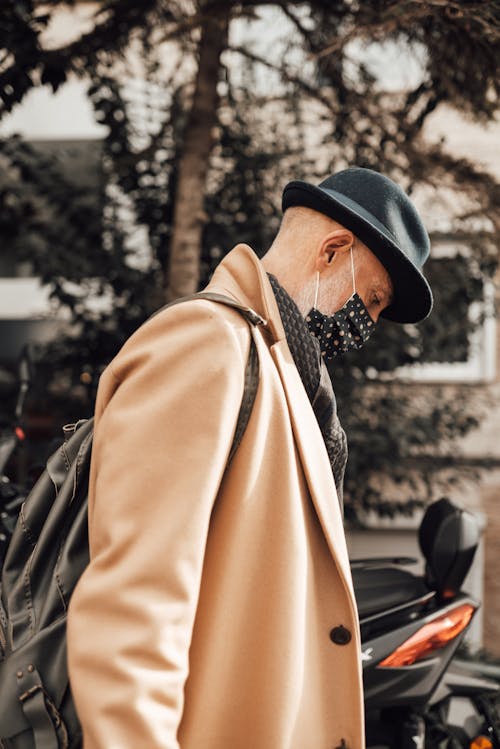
(290, 78)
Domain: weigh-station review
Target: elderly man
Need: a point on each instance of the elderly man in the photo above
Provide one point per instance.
(217, 611)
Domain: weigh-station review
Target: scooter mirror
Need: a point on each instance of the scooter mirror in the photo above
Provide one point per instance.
(24, 365)
(24, 369)
(448, 538)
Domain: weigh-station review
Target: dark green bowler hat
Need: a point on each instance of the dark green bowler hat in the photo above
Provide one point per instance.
(382, 215)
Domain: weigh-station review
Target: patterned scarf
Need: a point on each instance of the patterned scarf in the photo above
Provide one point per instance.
(316, 380)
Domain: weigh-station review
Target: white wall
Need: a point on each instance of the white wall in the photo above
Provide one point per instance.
(65, 115)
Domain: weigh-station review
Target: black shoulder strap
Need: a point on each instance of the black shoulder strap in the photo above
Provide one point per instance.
(249, 393)
(252, 367)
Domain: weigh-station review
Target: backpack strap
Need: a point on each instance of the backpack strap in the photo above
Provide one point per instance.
(249, 393)
(36, 707)
(252, 369)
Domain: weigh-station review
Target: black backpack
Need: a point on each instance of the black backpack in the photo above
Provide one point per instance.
(46, 555)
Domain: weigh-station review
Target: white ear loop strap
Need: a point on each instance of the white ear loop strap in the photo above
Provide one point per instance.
(353, 274)
(317, 281)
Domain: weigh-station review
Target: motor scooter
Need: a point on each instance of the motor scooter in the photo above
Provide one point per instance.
(417, 696)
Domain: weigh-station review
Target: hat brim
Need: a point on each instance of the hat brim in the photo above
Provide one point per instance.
(412, 294)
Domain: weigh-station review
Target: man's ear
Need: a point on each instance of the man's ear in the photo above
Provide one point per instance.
(332, 244)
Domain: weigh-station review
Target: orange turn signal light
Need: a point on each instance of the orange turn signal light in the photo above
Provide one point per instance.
(481, 742)
(430, 637)
(20, 434)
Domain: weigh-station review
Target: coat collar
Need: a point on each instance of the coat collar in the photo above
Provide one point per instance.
(241, 275)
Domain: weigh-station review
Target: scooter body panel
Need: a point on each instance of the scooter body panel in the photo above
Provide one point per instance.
(419, 698)
(412, 684)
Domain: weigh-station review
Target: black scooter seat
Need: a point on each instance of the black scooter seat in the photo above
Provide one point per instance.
(380, 588)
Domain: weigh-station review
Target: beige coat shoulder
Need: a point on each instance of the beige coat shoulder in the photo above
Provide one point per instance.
(166, 410)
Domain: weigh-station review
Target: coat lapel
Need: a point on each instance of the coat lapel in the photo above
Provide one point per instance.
(314, 459)
(242, 276)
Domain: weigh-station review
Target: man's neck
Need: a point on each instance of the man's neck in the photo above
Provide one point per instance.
(289, 281)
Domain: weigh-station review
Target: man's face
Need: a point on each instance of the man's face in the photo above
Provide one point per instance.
(373, 283)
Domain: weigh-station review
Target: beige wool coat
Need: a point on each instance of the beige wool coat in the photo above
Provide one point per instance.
(203, 620)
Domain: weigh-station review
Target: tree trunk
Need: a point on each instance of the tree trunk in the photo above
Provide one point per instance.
(185, 247)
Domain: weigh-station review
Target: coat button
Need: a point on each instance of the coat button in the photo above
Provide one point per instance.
(340, 635)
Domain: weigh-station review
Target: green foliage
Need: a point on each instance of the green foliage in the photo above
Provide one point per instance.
(310, 105)
(43, 213)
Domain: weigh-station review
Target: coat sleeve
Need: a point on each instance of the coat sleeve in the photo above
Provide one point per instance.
(161, 443)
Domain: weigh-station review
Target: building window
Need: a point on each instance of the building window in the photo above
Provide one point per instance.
(457, 343)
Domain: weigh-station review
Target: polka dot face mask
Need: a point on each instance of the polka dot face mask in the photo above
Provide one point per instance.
(348, 328)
